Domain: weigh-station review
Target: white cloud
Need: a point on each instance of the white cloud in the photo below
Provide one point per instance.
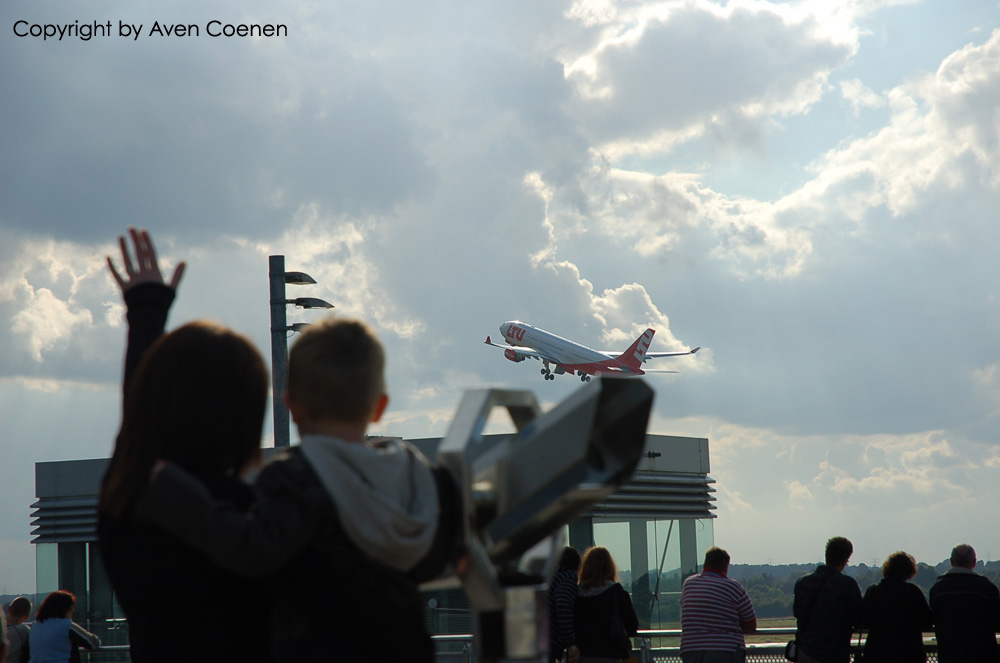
(898, 472)
(47, 321)
(799, 495)
(592, 12)
(678, 68)
(937, 122)
(859, 96)
(50, 292)
(734, 502)
(333, 250)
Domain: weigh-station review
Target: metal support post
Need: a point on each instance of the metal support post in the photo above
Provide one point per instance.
(279, 349)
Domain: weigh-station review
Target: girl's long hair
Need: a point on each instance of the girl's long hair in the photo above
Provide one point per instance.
(198, 399)
(55, 605)
(597, 568)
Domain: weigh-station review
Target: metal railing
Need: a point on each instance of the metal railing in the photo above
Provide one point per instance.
(650, 647)
(648, 650)
(448, 649)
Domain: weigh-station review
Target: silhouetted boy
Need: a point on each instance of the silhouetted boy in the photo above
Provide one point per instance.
(342, 524)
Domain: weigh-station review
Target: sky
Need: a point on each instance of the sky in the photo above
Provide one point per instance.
(807, 190)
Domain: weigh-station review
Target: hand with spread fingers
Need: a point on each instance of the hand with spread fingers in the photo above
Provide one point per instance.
(145, 268)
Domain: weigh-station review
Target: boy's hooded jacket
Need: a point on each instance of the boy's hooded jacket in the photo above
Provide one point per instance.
(384, 493)
(339, 531)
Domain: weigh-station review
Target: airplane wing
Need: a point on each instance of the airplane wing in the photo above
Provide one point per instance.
(521, 352)
(654, 355)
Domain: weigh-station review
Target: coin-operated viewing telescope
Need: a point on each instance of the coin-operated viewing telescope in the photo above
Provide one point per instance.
(525, 488)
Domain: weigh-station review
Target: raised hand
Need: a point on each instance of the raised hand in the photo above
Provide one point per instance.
(145, 268)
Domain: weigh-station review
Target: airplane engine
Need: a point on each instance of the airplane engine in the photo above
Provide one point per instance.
(513, 355)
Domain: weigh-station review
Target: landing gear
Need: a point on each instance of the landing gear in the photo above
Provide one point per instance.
(547, 373)
(584, 378)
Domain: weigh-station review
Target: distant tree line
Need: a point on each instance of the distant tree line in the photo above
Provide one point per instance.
(771, 587)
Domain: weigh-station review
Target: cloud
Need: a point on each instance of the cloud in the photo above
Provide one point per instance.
(940, 138)
(47, 321)
(54, 296)
(734, 501)
(896, 472)
(799, 495)
(859, 96)
(332, 249)
(671, 69)
(313, 123)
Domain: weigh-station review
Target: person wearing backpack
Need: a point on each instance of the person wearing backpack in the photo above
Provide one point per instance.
(828, 607)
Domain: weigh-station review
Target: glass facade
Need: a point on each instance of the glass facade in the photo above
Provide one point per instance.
(77, 567)
(46, 568)
(653, 558)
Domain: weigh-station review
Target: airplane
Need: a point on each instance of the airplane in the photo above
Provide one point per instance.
(526, 341)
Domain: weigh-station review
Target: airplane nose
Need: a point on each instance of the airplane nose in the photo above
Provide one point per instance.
(503, 330)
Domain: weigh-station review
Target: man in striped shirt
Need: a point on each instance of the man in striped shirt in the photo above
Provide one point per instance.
(715, 613)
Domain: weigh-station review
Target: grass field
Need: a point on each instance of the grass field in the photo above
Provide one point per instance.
(772, 622)
(776, 622)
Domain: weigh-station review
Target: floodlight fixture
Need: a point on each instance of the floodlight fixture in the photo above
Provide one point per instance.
(299, 278)
(309, 302)
(278, 278)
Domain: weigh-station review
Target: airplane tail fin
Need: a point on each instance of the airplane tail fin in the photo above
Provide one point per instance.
(636, 354)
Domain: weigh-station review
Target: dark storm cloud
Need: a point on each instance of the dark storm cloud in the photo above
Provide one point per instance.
(201, 136)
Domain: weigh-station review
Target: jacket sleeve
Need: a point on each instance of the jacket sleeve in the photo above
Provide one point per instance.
(627, 612)
(995, 605)
(856, 603)
(444, 550)
(254, 544)
(148, 305)
(868, 602)
(799, 601)
(924, 614)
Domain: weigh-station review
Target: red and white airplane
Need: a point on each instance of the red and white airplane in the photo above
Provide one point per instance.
(564, 356)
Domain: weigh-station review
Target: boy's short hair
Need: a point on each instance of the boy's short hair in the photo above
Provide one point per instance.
(838, 551)
(335, 370)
